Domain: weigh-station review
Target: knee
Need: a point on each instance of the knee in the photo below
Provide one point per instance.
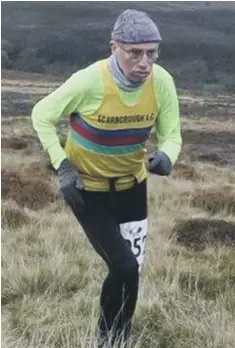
(129, 268)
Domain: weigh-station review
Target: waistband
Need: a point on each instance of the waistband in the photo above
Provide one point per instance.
(104, 184)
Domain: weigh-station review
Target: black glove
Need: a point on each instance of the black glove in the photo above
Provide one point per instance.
(159, 163)
(70, 186)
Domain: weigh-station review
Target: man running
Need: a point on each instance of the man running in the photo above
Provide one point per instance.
(112, 105)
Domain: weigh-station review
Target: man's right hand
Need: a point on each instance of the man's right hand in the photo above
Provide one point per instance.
(70, 186)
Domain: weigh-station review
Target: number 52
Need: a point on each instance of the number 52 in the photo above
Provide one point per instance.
(138, 245)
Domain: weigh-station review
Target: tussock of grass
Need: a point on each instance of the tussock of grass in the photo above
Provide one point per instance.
(197, 234)
(13, 216)
(13, 143)
(211, 157)
(37, 170)
(28, 192)
(25, 145)
(215, 199)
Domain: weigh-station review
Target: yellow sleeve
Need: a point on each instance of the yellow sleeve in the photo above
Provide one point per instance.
(49, 112)
(82, 92)
(167, 125)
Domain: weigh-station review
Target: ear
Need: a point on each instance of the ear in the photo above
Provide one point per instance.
(159, 50)
(113, 45)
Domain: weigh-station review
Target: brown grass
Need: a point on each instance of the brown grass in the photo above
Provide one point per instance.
(197, 234)
(186, 172)
(31, 193)
(37, 169)
(13, 216)
(26, 144)
(51, 276)
(211, 157)
(13, 143)
(215, 200)
(63, 139)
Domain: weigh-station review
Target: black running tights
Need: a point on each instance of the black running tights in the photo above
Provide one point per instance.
(100, 222)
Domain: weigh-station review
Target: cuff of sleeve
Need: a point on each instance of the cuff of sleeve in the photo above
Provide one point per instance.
(172, 150)
(57, 155)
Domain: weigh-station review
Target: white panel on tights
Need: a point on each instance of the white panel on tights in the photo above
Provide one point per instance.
(135, 233)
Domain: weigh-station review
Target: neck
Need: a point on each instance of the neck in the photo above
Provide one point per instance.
(119, 77)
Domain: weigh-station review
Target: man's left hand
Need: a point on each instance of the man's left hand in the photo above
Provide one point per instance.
(159, 163)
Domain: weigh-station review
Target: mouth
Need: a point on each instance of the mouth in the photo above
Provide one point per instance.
(142, 73)
(139, 76)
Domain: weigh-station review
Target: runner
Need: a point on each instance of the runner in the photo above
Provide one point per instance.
(112, 105)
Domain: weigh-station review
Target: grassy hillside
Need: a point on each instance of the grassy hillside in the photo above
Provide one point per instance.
(60, 37)
(51, 277)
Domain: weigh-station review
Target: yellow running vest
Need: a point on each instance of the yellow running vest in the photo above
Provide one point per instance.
(109, 143)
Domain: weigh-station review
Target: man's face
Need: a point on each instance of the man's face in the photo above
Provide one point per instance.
(135, 60)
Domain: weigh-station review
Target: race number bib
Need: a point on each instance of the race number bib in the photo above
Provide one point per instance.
(135, 233)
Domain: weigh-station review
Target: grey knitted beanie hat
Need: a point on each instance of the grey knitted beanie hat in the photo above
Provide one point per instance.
(134, 26)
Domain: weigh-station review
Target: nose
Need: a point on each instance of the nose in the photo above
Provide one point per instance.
(143, 62)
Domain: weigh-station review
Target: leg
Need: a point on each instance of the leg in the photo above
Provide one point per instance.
(120, 288)
(131, 214)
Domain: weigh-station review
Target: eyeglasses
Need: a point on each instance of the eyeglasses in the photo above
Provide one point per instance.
(136, 53)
